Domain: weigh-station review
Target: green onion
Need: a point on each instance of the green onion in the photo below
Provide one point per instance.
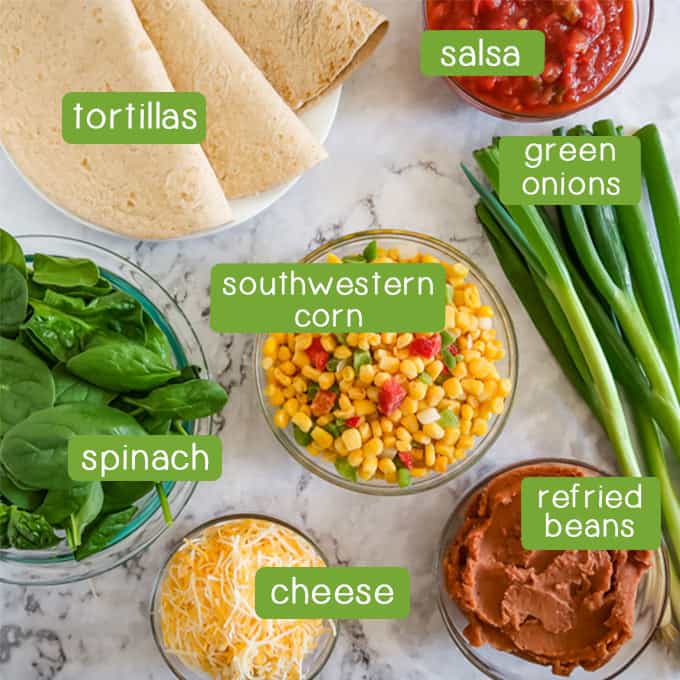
(332, 365)
(665, 204)
(302, 438)
(312, 390)
(354, 258)
(448, 418)
(404, 477)
(360, 358)
(371, 251)
(345, 469)
(336, 428)
(426, 378)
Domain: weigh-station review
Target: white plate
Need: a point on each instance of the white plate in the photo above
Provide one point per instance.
(319, 119)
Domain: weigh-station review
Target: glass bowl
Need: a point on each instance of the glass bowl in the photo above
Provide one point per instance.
(56, 565)
(643, 21)
(312, 665)
(650, 606)
(408, 242)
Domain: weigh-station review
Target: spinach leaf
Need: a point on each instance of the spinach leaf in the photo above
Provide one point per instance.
(154, 424)
(86, 514)
(28, 531)
(13, 299)
(120, 495)
(185, 401)
(61, 335)
(69, 389)
(103, 531)
(122, 367)
(4, 525)
(116, 312)
(26, 384)
(156, 340)
(60, 503)
(35, 450)
(102, 287)
(11, 253)
(65, 272)
(26, 500)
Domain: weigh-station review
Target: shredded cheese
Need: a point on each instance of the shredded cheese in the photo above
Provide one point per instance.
(207, 603)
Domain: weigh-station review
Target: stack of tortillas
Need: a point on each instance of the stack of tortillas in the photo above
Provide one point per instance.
(256, 62)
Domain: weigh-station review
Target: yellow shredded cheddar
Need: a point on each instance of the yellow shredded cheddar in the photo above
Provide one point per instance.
(207, 603)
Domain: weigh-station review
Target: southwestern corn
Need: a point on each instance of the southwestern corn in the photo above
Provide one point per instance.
(392, 406)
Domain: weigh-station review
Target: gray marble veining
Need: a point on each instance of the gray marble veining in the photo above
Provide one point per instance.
(394, 155)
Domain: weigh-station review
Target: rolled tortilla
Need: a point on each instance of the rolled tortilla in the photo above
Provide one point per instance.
(304, 47)
(254, 141)
(51, 47)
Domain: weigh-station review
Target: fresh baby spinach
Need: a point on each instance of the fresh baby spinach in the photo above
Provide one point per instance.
(13, 299)
(26, 384)
(22, 498)
(69, 389)
(103, 531)
(65, 272)
(35, 450)
(184, 401)
(59, 504)
(29, 531)
(11, 253)
(120, 495)
(85, 515)
(4, 524)
(122, 367)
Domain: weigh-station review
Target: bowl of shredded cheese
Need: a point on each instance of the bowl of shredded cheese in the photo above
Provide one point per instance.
(203, 604)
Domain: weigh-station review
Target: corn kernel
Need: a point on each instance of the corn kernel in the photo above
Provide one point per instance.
(404, 340)
(301, 359)
(303, 342)
(465, 427)
(410, 422)
(276, 398)
(441, 464)
(386, 424)
(434, 430)
(322, 438)
(479, 427)
(402, 445)
(303, 421)
(376, 430)
(451, 435)
(444, 450)
(311, 373)
(434, 369)
(373, 447)
(356, 393)
(497, 405)
(367, 373)
(417, 390)
(473, 387)
(365, 431)
(408, 368)
(403, 434)
(342, 352)
(435, 393)
(381, 378)
(355, 457)
(340, 447)
(504, 387)
(453, 388)
(281, 418)
(364, 407)
(351, 438)
(270, 347)
(409, 406)
(418, 472)
(284, 353)
(289, 392)
(387, 466)
(465, 443)
(369, 466)
(421, 438)
(326, 380)
(328, 342)
(322, 421)
(389, 364)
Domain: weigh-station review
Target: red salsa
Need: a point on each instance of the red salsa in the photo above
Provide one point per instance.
(586, 42)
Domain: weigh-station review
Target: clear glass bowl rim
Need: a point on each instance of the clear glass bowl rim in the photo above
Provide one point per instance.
(223, 519)
(188, 488)
(613, 84)
(463, 646)
(484, 443)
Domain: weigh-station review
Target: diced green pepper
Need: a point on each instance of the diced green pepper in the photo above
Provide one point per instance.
(371, 251)
(361, 358)
(332, 365)
(302, 438)
(426, 378)
(404, 477)
(448, 418)
(447, 339)
(336, 428)
(354, 258)
(312, 390)
(345, 469)
(449, 359)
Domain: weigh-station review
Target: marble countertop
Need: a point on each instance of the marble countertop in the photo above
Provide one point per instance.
(394, 154)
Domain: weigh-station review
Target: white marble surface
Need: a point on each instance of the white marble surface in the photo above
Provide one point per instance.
(394, 155)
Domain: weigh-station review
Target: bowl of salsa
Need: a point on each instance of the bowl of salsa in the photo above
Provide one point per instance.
(591, 47)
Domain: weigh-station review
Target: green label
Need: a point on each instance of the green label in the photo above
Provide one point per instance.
(327, 298)
(482, 53)
(570, 170)
(133, 118)
(591, 513)
(144, 458)
(332, 593)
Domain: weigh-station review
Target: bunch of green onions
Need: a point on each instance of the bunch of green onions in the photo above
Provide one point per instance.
(593, 284)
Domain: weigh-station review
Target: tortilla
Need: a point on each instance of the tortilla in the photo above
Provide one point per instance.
(51, 47)
(254, 141)
(304, 47)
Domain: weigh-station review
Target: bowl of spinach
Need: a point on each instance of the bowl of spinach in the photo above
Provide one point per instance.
(89, 344)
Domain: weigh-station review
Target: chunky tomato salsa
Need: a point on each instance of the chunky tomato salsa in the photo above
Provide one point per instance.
(586, 41)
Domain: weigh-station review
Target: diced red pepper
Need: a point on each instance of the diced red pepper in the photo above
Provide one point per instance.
(353, 421)
(406, 457)
(391, 394)
(426, 347)
(453, 348)
(317, 354)
(323, 402)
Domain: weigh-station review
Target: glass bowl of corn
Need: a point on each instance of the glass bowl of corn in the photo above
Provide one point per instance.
(394, 413)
